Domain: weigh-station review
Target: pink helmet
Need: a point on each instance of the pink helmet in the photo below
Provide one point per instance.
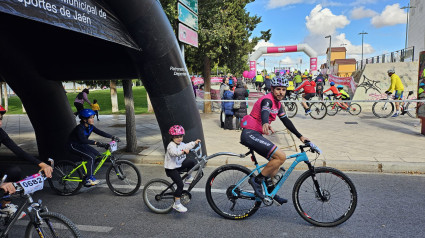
(176, 130)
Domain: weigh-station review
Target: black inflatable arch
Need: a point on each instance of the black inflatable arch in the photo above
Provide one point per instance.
(35, 56)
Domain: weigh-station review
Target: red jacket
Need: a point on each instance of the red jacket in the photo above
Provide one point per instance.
(308, 87)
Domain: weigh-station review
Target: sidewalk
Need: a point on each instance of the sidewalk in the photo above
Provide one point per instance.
(358, 143)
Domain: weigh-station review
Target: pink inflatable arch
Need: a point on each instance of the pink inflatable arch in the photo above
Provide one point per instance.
(284, 49)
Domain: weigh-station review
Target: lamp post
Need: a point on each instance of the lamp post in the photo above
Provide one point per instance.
(362, 33)
(407, 25)
(330, 50)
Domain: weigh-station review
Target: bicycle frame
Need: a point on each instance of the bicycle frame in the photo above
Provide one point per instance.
(299, 157)
(33, 210)
(202, 161)
(105, 155)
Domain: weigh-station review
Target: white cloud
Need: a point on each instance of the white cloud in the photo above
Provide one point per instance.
(288, 60)
(262, 43)
(361, 12)
(322, 21)
(392, 15)
(282, 3)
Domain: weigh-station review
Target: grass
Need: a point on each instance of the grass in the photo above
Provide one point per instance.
(103, 99)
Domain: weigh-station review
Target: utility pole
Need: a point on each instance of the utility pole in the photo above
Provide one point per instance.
(330, 50)
(362, 33)
(407, 26)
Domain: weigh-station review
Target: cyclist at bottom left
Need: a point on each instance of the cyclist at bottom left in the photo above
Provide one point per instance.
(79, 143)
(13, 171)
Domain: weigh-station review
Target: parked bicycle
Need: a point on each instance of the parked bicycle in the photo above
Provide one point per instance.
(43, 223)
(122, 176)
(158, 194)
(322, 196)
(334, 108)
(383, 109)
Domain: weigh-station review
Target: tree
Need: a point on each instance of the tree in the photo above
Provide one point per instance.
(130, 119)
(114, 95)
(224, 37)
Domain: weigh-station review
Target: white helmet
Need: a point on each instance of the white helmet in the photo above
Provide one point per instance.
(391, 71)
(279, 82)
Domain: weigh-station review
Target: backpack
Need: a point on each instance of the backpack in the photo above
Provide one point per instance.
(80, 96)
(227, 95)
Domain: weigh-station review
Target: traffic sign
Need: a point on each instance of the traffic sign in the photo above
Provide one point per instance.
(191, 4)
(188, 35)
(187, 17)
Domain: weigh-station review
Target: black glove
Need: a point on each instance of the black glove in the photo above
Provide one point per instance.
(104, 145)
(115, 138)
(388, 92)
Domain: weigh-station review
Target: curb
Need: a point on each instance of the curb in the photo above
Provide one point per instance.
(343, 165)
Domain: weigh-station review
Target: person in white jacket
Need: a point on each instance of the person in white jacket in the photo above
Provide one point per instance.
(176, 161)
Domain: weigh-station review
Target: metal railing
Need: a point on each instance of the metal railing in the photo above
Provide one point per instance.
(395, 56)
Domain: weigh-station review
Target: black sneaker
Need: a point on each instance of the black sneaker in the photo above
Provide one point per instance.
(280, 200)
(258, 188)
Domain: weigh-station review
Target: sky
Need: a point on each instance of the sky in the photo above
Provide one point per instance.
(295, 22)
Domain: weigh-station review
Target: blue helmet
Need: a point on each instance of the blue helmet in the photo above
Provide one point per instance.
(332, 83)
(340, 86)
(86, 113)
(421, 84)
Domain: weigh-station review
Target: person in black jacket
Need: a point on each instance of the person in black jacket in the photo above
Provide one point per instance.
(240, 94)
(79, 143)
(13, 171)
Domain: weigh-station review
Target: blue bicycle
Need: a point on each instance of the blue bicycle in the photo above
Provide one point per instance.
(322, 196)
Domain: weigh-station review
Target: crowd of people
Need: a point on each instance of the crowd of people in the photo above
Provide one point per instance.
(233, 89)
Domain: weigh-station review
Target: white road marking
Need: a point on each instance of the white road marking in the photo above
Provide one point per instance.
(87, 228)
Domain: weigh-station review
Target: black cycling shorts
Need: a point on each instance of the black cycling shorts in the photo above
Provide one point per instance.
(255, 141)
(308, 96)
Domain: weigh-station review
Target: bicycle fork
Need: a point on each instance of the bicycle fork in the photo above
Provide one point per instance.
(319, 191)
(118, 171)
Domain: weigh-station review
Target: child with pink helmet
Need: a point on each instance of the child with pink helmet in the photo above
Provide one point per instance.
(176, 162)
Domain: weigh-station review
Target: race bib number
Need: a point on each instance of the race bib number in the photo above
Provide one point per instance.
(114, 146)
(32, 183)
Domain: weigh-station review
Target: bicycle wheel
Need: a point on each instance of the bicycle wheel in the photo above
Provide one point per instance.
(383, 109)
(410, 111)
(355, 109)
(53, 225)
(61, 176)
(124, 179)
(219, 192)
(291, 109)
(332, 110)
(318, 110)
(159, 196)
(338, 190)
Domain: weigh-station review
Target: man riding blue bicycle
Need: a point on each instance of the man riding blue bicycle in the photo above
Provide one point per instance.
(257, 123)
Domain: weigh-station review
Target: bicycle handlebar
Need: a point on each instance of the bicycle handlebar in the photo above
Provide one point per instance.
(313, 147)
(196, 149)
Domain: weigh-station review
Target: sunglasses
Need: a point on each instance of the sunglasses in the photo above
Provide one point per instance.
(179, 136)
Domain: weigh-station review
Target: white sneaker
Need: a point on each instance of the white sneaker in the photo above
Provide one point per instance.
(92, 181)
(9, 210)
(188, 180)
(179, 207)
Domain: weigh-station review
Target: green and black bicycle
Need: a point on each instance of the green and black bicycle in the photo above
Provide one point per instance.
(122, 176)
